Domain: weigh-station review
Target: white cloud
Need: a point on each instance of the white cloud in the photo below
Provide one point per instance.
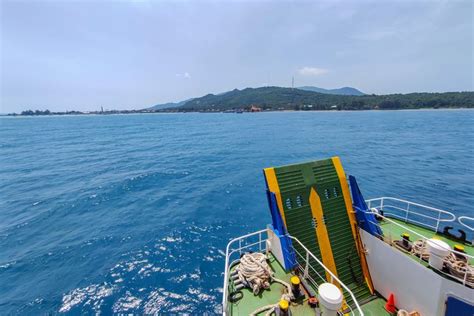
(312, 71)
(184, 75)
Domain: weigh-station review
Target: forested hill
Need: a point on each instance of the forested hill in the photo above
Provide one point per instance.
(277, 98)
(340, 91)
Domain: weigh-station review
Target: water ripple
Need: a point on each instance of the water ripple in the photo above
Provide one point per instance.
(130, 214)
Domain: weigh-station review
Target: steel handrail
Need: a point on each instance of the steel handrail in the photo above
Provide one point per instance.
(227, 256)
(393, 215)
(307, 276)
(461, 218)
(334, 277)
(438, 219)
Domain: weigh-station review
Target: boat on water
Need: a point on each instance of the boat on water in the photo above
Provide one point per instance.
(328, 251)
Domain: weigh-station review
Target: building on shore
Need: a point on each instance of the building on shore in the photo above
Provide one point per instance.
(255, 108)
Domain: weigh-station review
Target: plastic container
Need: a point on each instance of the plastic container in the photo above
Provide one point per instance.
(438, 250)
(330, 299)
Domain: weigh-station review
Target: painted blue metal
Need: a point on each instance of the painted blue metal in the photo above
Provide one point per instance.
(279, 229)
(277, 221)
(289, 255)
(365, 220)
(456, 307)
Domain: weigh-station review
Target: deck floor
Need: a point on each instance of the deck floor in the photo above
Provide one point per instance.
(375, 307)
(249, 302)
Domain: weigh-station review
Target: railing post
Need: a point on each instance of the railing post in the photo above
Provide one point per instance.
(437, 222)
(407, 211)
(423, 245)
(381, 204)
(240, 246)
(260, 242)
(306, 267)
(465, 277)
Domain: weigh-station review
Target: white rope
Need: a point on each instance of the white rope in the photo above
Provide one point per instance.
(271, 308)
(254, 272)
(419, 249)
(459, 268)
(288, 287)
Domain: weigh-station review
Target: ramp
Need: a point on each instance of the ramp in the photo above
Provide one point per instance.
(315, 204)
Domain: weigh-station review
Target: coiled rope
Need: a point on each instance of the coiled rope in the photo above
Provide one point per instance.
(254, 272)
(459, 268)
(419, 249)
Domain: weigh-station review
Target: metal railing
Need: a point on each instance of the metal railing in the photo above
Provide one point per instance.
(304, 265)
(242, 244)
(411, 212)
(388, 238)
(461, 220)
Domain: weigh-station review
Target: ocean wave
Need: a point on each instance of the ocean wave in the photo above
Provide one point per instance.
(126, 303)
(92, 295)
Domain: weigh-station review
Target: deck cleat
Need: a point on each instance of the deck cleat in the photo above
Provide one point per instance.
(296, 289)
(283, 308)
(404, 243)
(460, 256)
(459, 248)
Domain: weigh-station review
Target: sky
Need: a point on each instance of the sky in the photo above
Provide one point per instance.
(81, 55)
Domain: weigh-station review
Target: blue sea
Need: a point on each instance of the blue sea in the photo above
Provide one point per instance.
(132, 213)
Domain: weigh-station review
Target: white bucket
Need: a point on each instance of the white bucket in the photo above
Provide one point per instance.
(438, 250)
(330, 298)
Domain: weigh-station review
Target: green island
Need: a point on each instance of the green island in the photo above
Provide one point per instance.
(295, 99)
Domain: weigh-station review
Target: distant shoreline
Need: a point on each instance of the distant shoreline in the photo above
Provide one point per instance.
(127, 112)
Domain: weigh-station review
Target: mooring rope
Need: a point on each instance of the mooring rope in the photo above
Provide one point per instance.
(419, 249)
(254, 272)
(457, 266)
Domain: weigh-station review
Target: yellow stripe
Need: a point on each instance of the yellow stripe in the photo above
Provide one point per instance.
(275, 188)
(322, 234)
(323, 239)
(350, 212)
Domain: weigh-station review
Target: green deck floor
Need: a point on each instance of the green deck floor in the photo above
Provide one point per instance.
(250, 303)
(375, 308)
(394, 232)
